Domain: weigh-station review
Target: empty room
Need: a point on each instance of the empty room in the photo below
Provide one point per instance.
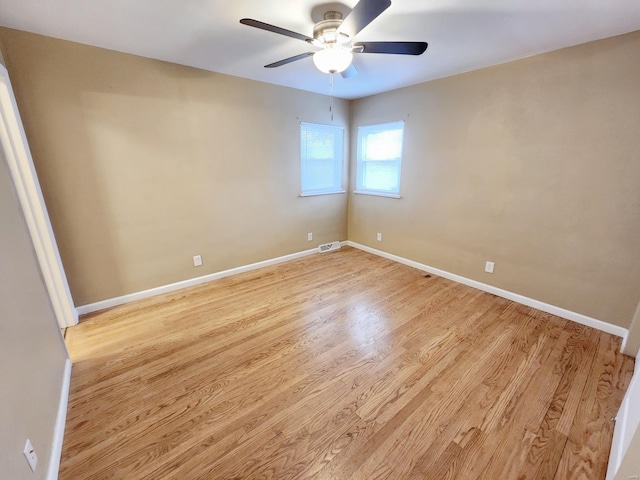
(307, 240)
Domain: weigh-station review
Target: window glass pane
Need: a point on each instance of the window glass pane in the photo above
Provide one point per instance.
(379, 158)
(321, 152)
(384, 145)
(322, 174)
(318, 144)
(381, 175)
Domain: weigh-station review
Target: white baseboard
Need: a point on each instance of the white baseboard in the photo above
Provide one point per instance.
(112, 302)
(58, 432)
(623, 345)
(530, 302)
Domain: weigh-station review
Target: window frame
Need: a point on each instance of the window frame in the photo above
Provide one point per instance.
(338, 160)
(363, 131)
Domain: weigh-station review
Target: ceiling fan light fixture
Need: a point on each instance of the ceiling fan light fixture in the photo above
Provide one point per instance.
(332, 59)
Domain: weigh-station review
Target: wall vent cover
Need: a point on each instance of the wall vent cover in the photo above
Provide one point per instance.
(328, 247)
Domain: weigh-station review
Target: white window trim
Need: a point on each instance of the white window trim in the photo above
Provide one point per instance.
(360, 189)
(376, 193)
(328, 192)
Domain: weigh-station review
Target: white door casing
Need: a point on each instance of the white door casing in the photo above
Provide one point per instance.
(15, 149)
(627, 422)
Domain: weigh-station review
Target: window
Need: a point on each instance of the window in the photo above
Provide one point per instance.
(321, 151)
(379, 159)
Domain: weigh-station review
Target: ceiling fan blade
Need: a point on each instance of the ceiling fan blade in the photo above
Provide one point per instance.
(289, 60)
(272, 28)
(365, 12)
(349, 72)
(397, 48)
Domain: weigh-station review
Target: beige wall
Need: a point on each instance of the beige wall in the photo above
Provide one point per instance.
(32, 353)
(144, 164)
(533, 164)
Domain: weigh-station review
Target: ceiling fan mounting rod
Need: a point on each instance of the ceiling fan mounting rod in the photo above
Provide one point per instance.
(333, 15)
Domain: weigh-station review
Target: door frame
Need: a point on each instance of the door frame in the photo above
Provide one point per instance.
(627, 423)
(15, 149)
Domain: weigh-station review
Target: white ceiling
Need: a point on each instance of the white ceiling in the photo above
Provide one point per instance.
(463, 35)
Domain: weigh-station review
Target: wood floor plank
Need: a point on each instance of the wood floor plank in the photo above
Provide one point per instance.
(427, 404)
(377, 369)
(337, 366)
(377, 355)
(550, 440)
(483, 409)
(590, 436)
(515, 434)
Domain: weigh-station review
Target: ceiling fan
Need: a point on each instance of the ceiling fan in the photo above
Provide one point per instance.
(334, 37)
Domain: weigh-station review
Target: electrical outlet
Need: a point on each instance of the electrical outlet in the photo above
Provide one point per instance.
(309, 236)
(30, 455)
(488, 267)
(197, 260)
(633, 477)
(379, 237)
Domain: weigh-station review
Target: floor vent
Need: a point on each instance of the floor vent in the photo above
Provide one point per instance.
(328, 247)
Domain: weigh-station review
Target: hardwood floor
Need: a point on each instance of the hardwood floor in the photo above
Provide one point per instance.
(339, 366)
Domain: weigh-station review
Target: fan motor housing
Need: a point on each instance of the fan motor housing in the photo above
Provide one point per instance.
(325, 31)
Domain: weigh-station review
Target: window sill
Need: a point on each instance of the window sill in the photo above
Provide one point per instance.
(315, 194)
(377, 194)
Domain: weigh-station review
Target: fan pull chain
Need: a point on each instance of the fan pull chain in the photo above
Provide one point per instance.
(331, 95)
